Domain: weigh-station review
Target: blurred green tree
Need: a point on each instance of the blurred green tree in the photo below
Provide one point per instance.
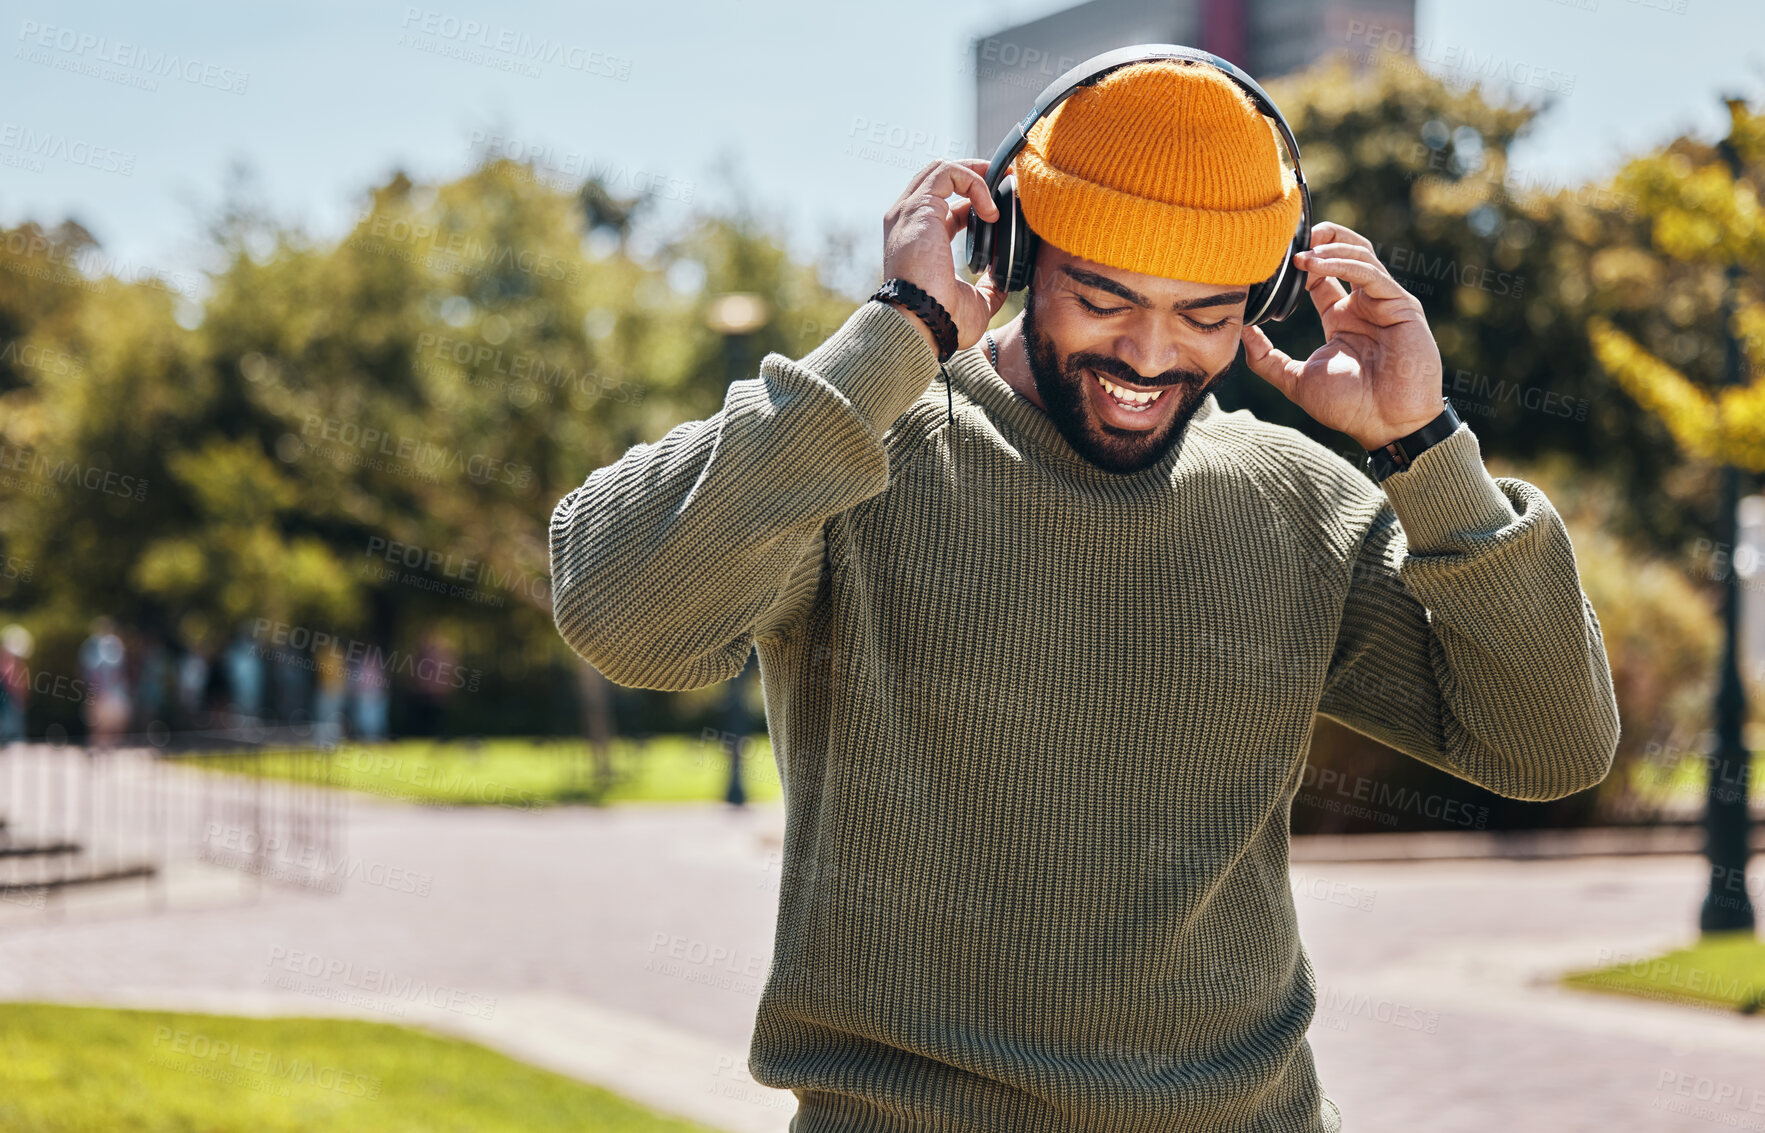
(1703, 220)
(367, 439)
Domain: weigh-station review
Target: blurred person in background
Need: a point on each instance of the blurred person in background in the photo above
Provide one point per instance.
(291, 684)
(245, 678)
(153, 671)
(330, 692)
(193, 672)
(15, 682)
(437, 664)
(103, 667)
(369, 697)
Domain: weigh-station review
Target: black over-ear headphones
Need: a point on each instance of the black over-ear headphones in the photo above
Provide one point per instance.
(1007, 248)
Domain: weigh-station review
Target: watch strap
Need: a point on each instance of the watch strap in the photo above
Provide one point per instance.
(1399, 454)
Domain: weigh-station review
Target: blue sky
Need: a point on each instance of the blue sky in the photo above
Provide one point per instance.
(696, 101)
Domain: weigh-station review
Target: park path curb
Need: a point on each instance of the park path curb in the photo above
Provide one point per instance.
(1446, 845)
(1430, 845)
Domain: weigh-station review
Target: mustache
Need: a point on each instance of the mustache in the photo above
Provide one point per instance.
(1117, 370)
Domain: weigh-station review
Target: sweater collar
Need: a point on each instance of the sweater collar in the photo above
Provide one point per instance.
(974, 377)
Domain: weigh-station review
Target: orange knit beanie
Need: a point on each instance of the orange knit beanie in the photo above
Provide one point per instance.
(1165, 168)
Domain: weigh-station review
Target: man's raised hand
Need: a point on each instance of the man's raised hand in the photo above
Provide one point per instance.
(1378, 375)
(918, 229)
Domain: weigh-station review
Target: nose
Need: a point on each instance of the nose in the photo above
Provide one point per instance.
(1150, 350)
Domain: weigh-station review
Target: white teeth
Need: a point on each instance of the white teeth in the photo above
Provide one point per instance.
(1130, 397)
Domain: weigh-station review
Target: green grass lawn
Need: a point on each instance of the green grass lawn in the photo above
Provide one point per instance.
(1724, 969)
(520, 772)
(79, 1069)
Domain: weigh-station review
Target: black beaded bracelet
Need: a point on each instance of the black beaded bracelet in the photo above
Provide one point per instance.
(914, 298)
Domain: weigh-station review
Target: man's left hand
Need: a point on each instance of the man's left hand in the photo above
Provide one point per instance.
(1378, 375)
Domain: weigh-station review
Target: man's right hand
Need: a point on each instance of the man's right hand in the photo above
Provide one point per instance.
(917, 231)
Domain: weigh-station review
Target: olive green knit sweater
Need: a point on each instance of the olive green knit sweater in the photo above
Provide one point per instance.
(1040, 726)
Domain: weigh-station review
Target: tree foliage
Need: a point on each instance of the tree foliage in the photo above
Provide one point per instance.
(1509, 265)
(365, 438)
(1704, 222)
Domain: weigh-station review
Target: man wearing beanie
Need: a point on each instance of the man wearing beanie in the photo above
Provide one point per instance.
(1042, 651)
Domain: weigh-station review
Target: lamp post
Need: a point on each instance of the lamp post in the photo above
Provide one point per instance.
(736, 316)
(1726, 906)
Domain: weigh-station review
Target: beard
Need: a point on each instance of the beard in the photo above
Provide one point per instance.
(1060, 381)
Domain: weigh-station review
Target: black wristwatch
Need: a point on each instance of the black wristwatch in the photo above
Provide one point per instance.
(1401, 453)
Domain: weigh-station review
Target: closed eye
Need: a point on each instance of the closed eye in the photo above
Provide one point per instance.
(1205, 328)
(1096, 310)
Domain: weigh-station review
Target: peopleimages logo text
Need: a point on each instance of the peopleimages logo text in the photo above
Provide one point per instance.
(131, 57)
(299, 639)
(515, 44)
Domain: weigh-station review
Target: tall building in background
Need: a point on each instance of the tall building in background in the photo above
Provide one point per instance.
(1267, 38)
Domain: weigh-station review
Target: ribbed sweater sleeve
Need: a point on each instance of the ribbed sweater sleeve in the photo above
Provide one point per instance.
(668, 563)
(1466, 639)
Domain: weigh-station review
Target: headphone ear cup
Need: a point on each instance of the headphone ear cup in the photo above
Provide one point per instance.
(1028, 242)
(998, 258)
(1281, 291)
(981, 240)
(1257, 297)
(1014, 245)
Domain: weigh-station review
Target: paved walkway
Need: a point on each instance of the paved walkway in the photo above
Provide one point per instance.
(550, 934)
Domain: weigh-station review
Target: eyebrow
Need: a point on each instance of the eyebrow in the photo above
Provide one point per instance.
(1104, 283)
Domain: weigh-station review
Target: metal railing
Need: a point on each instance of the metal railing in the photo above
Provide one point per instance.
(72, 816)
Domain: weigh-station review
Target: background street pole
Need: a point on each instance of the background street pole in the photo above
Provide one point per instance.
(1726, 906)
(736, 316)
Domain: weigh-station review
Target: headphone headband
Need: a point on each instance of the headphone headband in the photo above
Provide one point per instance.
(1092, 71)
(1272, 300)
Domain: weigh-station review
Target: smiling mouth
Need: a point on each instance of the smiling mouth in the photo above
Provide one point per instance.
(1132, 400)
